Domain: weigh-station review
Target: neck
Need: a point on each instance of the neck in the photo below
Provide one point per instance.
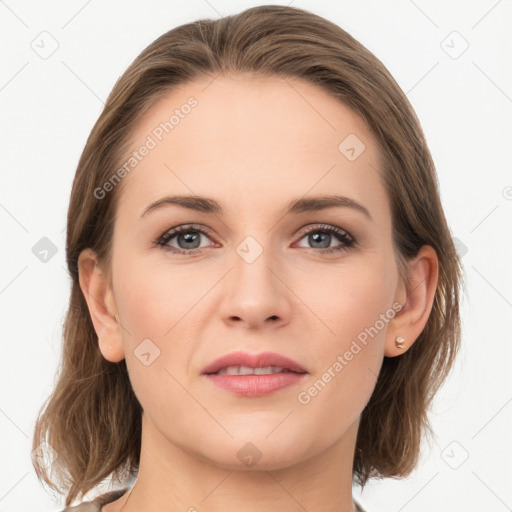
(171, 478)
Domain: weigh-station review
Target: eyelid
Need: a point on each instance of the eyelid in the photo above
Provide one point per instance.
(172, 232)
(315, 226)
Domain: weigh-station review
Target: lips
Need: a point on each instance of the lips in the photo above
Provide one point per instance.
(284, 372)
(260, 360)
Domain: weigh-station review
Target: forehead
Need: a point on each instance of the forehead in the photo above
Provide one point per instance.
(253, 138)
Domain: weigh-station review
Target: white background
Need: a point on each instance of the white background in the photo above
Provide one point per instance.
(48, 107)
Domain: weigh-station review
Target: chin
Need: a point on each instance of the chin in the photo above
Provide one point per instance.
(253, 453)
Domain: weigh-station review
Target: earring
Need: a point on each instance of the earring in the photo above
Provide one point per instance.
(399, 342)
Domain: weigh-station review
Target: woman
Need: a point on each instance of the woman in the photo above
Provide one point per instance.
(265, 291)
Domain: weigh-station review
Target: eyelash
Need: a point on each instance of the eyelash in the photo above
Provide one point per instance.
(348, 240)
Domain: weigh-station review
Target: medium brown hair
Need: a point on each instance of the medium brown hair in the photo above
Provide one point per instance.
(92, 419)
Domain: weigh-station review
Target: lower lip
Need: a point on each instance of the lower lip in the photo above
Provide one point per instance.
(256, 385)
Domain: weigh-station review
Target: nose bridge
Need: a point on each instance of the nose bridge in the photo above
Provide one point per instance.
(255, 292)
(254, 261)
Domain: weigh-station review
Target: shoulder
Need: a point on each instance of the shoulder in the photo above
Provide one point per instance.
(98, 502)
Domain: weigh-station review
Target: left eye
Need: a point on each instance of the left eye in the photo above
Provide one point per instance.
(323, 235)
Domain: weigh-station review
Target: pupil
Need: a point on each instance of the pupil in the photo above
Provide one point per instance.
(322, 238)
(189, 239)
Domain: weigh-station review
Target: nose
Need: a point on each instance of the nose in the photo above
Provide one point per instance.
(255, 293)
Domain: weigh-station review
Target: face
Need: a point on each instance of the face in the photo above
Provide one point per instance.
(251, 276)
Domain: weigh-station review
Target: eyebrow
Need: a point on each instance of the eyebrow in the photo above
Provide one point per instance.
(310, 204)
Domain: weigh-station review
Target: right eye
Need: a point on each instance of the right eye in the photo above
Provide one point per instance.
(187, 236)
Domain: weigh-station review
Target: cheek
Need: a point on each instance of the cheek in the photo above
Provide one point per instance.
(355, 304)
(154, 298)
(153, 302)
(343, 301)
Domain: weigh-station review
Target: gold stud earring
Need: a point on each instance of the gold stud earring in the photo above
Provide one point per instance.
(399, 342)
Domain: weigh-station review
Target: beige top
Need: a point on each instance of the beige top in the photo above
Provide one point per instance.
(97, 503)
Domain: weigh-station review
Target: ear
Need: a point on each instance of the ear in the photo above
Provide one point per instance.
(95, 286)
(417, 299)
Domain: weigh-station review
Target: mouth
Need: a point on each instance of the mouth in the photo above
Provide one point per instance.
(243, 363)
(254, 375)
(247, 370)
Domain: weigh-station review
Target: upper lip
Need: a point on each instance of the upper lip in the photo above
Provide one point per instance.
(260, 360)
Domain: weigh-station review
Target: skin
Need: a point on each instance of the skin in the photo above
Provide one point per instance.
(253, 144)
